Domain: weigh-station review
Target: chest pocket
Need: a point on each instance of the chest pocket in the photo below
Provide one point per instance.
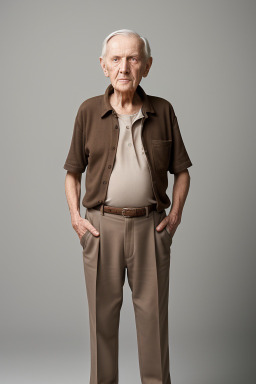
(161, 154)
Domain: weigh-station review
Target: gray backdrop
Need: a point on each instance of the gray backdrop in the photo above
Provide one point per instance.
(204, 64)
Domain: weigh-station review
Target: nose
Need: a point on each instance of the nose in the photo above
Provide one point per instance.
(124, 66)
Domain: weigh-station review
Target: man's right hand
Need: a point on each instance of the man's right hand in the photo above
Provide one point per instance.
(81, 225)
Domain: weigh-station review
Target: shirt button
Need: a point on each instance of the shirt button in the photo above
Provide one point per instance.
(99, 201)
(127, 126)
(116, 127)
(113, 147)
(104, 182)
(109, 166)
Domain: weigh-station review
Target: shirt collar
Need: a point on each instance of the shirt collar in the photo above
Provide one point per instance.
(146, 104)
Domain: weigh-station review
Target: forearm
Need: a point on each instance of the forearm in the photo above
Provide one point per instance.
(180, 192)
(73, 195)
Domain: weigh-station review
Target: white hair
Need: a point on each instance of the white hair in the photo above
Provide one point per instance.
(127, 32)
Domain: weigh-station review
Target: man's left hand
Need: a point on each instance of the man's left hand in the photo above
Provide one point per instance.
(171, 222)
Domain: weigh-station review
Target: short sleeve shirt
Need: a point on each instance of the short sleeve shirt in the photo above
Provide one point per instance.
(95, 139)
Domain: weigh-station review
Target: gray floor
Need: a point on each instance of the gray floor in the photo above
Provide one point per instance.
(51, 358)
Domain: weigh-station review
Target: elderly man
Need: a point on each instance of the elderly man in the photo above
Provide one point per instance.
(127, 141)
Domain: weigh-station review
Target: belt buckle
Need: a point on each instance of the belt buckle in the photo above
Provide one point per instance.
(123, 212)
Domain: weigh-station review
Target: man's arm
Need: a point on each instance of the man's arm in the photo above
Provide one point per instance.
(73, 194)
(179, 195)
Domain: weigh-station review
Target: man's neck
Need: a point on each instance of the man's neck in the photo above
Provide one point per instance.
(125, 103)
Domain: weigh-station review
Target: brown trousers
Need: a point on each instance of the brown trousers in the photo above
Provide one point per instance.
(131, 243)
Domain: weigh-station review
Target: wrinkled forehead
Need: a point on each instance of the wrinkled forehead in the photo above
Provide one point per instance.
(120, 44)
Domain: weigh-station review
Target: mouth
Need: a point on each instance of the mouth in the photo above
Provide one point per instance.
(124, 80)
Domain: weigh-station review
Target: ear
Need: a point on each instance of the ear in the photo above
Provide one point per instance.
(103, 66)
(148, 65)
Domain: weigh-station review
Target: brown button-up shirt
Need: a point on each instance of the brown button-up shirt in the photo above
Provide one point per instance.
(95, 139)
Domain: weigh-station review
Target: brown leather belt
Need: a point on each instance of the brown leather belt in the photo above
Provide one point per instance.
(126, 212)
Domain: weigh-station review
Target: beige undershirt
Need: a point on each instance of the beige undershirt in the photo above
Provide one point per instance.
(130, 181)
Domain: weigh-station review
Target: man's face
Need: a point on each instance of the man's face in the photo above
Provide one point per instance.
(124, 62)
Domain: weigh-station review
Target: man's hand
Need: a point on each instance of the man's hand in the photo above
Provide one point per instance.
(171, 222)
(81, 225)
(73, 193)
(179, 195)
